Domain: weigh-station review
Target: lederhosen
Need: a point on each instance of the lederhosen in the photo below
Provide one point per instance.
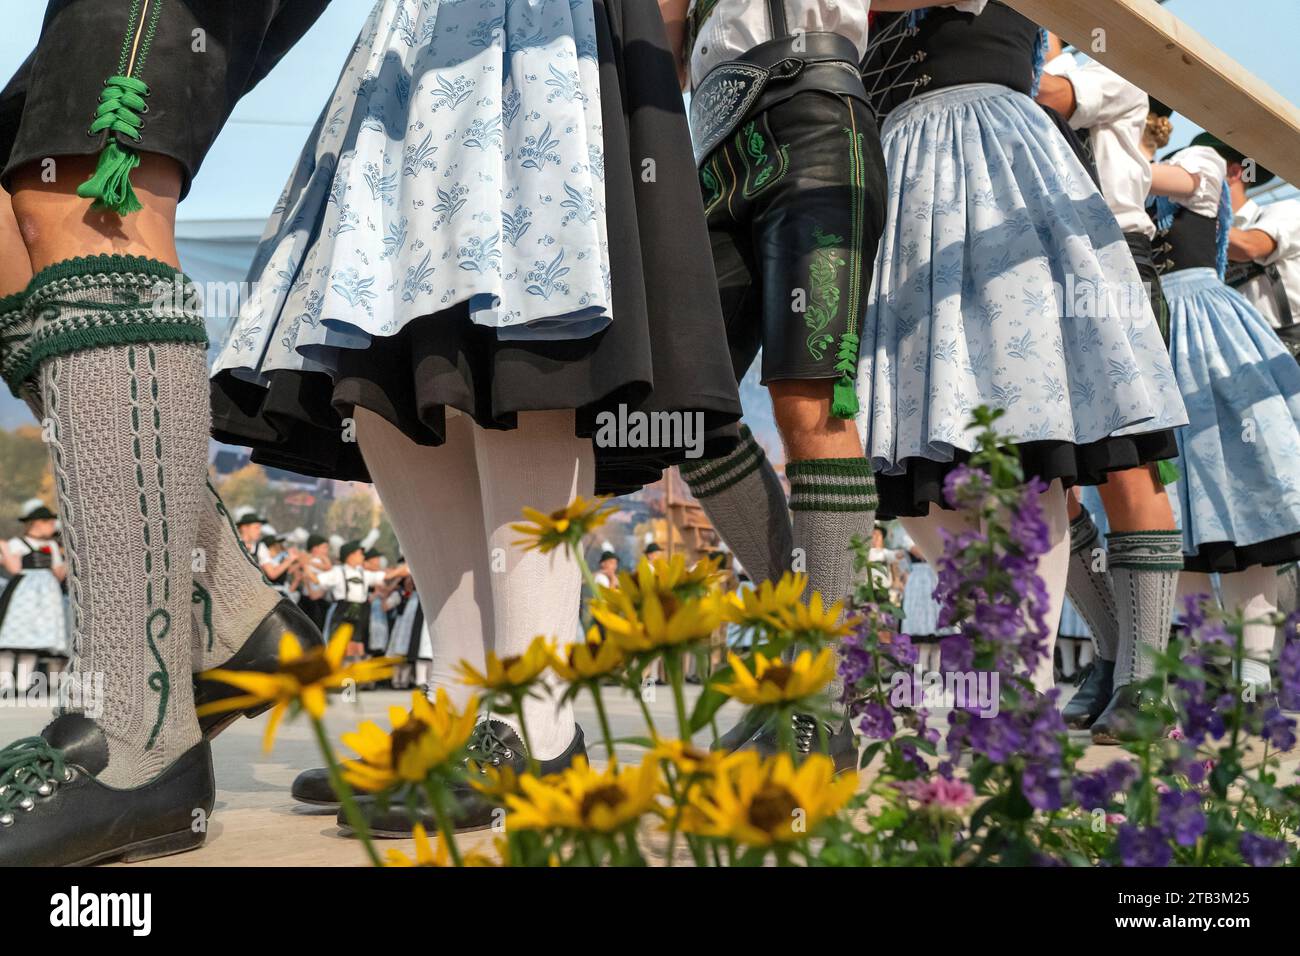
(793, 181)
(356, 613)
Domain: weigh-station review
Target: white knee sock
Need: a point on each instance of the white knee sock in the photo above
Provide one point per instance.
(7, 661)
(431, 496)
(1254, 593)
(1193, 583)
(540, 464)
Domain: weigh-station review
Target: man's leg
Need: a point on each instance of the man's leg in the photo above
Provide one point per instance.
(1145, 557)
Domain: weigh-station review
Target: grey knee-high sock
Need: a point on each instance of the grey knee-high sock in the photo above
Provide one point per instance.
(123, 382)
(743, 497)
(833, 501)
(1089, 588)
(1144, 568)
(230, 595)
(15, 351)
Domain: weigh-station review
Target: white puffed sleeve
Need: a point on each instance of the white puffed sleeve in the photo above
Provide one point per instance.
(1211, 170)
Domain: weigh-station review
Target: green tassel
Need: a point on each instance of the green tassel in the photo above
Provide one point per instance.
(844, 404)
(110, 186)
(1168, 472)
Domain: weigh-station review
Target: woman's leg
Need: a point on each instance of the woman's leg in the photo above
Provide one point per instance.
(24, 671)
(7, 661)
(543, 465)
(1253, 592)
(432, 499)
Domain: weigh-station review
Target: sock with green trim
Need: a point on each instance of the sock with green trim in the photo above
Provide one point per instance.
(1144, 569)
(1089, 588)
(744, 500)
(122, 373)
(833, 501)
(15, 331)
(231, 596)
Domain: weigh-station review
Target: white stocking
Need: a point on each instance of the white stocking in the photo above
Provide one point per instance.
(539, 464)
(432, 498)
(1254, 593)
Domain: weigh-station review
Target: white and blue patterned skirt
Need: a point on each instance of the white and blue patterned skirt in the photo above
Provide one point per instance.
(497, 212)
(33, 614)
(1239, 494)
(1002, 279)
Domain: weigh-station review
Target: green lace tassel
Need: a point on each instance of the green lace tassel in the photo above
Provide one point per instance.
(844, 404)
(1168, 472)
(110, 186)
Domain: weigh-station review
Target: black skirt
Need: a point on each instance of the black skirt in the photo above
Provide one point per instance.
(665, 351)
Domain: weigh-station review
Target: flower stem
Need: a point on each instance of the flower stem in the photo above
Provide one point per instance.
(356, 819)
(604, 719)
(444, 821)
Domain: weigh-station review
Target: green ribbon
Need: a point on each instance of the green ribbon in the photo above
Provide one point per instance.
(120, 105)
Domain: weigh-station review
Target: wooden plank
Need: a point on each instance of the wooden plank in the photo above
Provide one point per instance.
(1155, 50)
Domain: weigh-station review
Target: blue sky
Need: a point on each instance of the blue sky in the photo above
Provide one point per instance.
(250, 162)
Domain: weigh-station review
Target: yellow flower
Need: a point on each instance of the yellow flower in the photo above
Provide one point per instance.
(496, 783)
(762, 802)
(422, 739)
(768, 604)
(583, 799)
(425, 855)
(776, 682)
(595, 657)
(691, 760)
(302, 678)
(509, 673)
(815, 621)
(565, 527)
(663, 605)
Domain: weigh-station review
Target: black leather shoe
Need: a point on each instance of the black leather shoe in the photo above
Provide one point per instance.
(54, 812)
(840, 746)
(1120, 721)
(260, 654)
(494, 744)
(314, 787)
(742, 732)
(1092, 696)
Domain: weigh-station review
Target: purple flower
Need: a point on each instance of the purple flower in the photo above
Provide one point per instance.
(1288, 667)
(1181, 816)
(1278, 729)
(1143, 846)
(877, 721)
(1261, 851)
(1041, 783)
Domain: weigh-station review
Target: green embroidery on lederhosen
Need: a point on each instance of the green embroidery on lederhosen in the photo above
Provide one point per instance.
(844, 403)
(158, 623)
(823, 292)
(712, 182)
(761, 170)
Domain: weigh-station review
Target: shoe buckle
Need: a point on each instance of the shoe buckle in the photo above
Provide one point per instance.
(6, 819)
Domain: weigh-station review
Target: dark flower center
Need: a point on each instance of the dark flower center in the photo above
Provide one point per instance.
(772, 808)
(309, 668)
(779, 675)
(610, 795)
(509, 662)
(407, 735)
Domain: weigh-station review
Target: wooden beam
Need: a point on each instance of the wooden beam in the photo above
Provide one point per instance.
(1156, 51)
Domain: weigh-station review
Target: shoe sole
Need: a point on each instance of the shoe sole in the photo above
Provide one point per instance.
(408, 834)
(331, 804)
(155, 847)
(1106, 740)
(215, 730)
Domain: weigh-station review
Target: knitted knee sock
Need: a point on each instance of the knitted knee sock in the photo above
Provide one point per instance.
(123, 381)
(230, 594)
(1144, 569)
(833, 501)
(542, 465)
(743, 497)
(1089, 587)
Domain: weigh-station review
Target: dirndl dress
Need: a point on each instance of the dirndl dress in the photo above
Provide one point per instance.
(33, 608)
(495, 213)
(399, 641)
(1003, 280)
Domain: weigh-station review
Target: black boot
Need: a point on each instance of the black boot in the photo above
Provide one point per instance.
(742, 732)
(494, 744)
(840, 746)
(260, 654)
(1092, 696)
(54, 812)
(1121, 721)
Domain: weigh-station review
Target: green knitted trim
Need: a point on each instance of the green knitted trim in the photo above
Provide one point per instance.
(1146, 550)
(702, 472)
(1145, 535)
(86, 266)
(829, 468)
(11, 303)
(735, 470)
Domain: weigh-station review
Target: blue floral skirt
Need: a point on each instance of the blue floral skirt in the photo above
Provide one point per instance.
(33, 614)
(1002, 279)
(498, 212)
(1239, 494)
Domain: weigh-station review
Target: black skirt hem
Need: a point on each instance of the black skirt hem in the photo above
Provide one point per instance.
(1226, 557)
(910, 495)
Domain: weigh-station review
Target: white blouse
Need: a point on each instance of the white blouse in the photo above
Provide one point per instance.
(1281, 222)
(350, 584)
(1114, 112)
(1210, 170)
